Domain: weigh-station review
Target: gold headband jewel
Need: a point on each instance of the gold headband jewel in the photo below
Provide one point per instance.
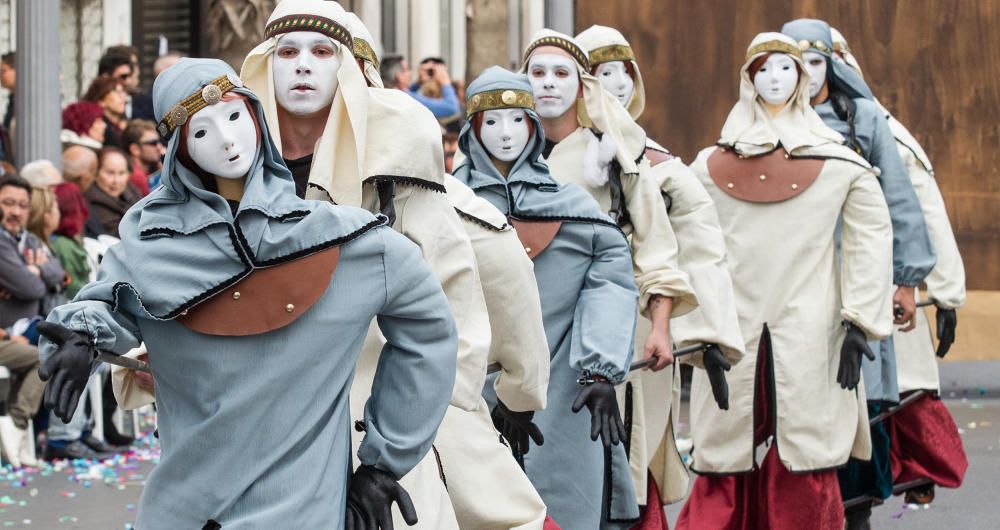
(210, 94)
(562, 43)
(500, 99)
(326, 26)
(774, 46)
(805, 44)
(611, 53)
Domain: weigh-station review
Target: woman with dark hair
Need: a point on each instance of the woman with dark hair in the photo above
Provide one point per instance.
(110, 94)
(112, 194)
(67, 242)
(83, 124)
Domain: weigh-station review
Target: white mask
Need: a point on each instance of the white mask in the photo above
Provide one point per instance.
(777, 78)
(614, 77)
(555, 82)
(504, 133)
(222, 139)
(305, 65)
(816, 67)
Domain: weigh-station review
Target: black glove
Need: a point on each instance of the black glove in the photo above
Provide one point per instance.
(370, 495)
(605, 420)
(947, 321)
(716, 365)
(516, 428)
(855, 345)
(69, 368)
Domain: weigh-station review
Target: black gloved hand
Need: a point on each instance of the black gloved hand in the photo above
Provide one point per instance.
(516, 428)
(855, 345)
(370, 495)
(69, 368)
(947, 321)
(605, 420)
(716, 366)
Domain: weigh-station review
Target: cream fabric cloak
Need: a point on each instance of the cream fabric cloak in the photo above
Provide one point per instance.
(787, 279)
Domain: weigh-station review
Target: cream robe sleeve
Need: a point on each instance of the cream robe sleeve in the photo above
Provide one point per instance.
(946, 281)
(518, 342)
(866, 258)
(425, 216)
(654, 245)
(702, 255)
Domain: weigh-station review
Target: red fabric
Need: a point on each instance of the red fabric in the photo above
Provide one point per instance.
(926, 444)
(770, 497)
(652, 517)
(139, 179)
(550, 524)
(767, 498)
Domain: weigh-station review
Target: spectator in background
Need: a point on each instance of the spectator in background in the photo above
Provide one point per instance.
(8, 80)
(144, 148)
(112, 194)
(79, 166)
(67, 243)
(41, 174)
(449, 140)
(25, 395)
(396, 74)
(140, 104)
(27, 275)
(83, 125)
(110, 94)
(43, 218)
(165, 61)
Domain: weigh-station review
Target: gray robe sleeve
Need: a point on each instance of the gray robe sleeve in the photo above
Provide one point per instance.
(416, 370)
(912, 252)
(110, 331)
(604, 319)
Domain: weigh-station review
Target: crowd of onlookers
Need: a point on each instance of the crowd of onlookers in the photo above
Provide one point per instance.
(55, 225)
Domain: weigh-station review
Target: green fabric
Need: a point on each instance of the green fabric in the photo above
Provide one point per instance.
(874, 477)
(73, 258)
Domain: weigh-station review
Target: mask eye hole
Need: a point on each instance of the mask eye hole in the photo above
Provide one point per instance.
(200, 134)
(234, 116)
(491, 122)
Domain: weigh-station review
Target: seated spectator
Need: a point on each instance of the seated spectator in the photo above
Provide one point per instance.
(112, 194)
(67, 242)
(83, 125)
(396, 74)
(41, 174)
(25, 395)
(110, 94)
(144, 148)
(8, 80)
(140, 104)
(79, 166)
(27, 275)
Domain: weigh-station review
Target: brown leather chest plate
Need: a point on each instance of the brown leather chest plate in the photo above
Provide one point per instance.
(657, 157)
(773, 177)
(267, 299)
(535, 235)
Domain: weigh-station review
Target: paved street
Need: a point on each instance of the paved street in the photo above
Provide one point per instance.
(104, 497)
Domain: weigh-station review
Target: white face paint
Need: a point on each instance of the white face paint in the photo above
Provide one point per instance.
(614, 77)
(305, 65)
(777, 78)
(816, 67)
(222, 139)
(504, 133)
(555, 82)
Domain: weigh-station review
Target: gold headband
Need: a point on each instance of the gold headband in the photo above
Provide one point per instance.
(611, 53)
(330, 28)
(365, 52)
(774, 46)
(559, 42)
(500, 99)
(210, 94)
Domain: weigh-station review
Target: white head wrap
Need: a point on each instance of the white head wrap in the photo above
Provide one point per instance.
(339, 155)
(600, 110)
(604, 45)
